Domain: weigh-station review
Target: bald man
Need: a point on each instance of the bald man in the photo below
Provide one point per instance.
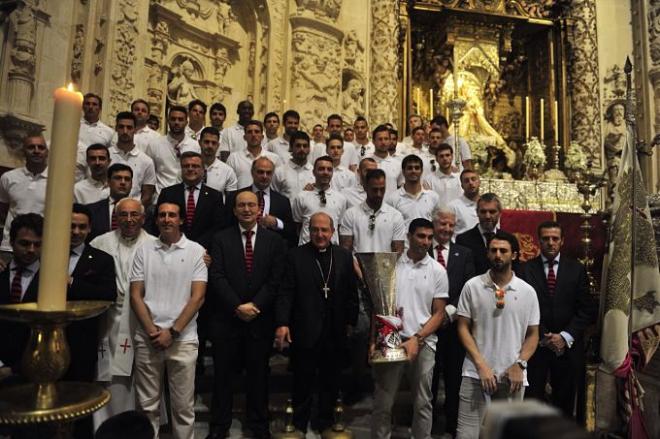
(244, 276)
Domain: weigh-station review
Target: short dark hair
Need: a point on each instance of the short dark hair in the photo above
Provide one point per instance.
(379, 129)
(395, 132)
(360, 119)
(411, 158)
(414, 130)
(124, 115)
(419, 223)
(365, 160)
(297, 136)
(84, 210)
(130, 424)
(141, 101)
(318, 125)
(335, 136)
(501, 235)
(30, 221)
(255, 122)
(466, 171)
(290, 114)
(154, 118)
(435, 130)
(218, 107)
(199, 102)
(323, 158)
(489, 197)
(334, 116)
(210, 130)
(182, 208)
(347, 129)
(445, 147)
(180, 108)
(189, 155)
(440, 121)
(97, 147)
(95, 96)
(373, 174)
(118, 167)
(244, 102)
(549, 225)
(272, 114)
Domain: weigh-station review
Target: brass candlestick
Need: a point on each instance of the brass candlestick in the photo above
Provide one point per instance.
(554, 173)
(290, 431)
(338, 429)
(456, 105)
(45, 360)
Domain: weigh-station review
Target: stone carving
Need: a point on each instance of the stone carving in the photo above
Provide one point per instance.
(353, 51)
(584, 84)
(277, 38)
(225, 16)
(263, 69)
(654, 51)
(614, 83)
(155, 89)
(221, 64)
(160, 41)
(614, 136)
(123, 58)
(321, 9)
(352, 99)
(522, 8)
(78, 49)
(23, 53)
(384, 77)
(193, 8)
(180, 89)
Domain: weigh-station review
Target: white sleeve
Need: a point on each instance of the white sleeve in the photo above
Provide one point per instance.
(149, 173)
(466, 154)
(224, 141)
(399, 228)
(464, 306)
(200, 272)
(137, 270)
(347, 222)
(4, 189)
(232, 181)
(535, 314)
(441, 285)
(297, 209)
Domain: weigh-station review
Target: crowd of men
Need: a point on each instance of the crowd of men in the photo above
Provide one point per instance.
(243, 240)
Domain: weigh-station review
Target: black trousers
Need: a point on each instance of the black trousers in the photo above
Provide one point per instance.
(323, 361)
(449, 354)
(229, 355)
(564, 372)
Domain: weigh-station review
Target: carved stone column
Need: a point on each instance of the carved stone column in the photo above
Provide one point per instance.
(316, 61)
(384, 98)
(583, 74)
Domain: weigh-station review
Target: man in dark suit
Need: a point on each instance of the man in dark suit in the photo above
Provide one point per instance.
(91, 277)
(275, 208)
(317, 301)
(449, 352)
(120, 180)
(19, 282)
(489, 208)
(566, 310)
(243, 279)
(203, 206)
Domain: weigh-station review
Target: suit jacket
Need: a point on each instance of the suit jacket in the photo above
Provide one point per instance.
(473, 240)
(101, 221)
(93, 279)
(15, 335)
(300, 301)
(570, 309)
(209, 212)
(280, 207)
(460, 269)
(230, 285)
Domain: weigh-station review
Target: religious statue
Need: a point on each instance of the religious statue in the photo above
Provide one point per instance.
(615, 137)
(180, 89)
(352, 100)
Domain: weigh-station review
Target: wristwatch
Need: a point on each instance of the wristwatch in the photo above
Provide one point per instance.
(522, 363)
(174, 333)
(420, 339)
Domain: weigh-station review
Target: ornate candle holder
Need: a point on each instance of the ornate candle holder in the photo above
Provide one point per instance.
(45, 360)
(456, 105)
(554, 173)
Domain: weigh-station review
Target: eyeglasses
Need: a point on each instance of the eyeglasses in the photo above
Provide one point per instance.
(322, 197)
(372, 222)
(129, 214)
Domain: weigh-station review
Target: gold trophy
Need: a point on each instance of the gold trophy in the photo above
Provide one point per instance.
(378, 271)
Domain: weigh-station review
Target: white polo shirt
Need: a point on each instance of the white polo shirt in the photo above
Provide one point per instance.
(279, 146)
(355, 195)
(143, 137)
(388, 226)
(348, 158)
(392, 169)
(195, 135)
(413, 206)
(417, 284)
(342, 178)
(499, 333)
(232, 139)
(221, 177)
(448, 187)
(466, 214)
(241, 163)
(423, 154)
(166, 162)
(290, 179)
(308, 203)
(466, 154)
(141, 164)
(91, 133)
(89, 191)
(24, 192)
(366, 150)
(168, 273)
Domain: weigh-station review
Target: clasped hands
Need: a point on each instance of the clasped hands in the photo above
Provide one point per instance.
(554, 342)
(489, 380)
(247, 311)
(161, 339)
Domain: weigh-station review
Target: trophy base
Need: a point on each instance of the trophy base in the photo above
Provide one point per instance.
(391, 355)
(66, 401)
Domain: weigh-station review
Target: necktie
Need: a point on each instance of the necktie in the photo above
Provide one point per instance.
(249, 254)
(113, 218)
(551, 280)
(441, 258)
(16, 290)
(262, 203)
(488, 236)
(190, 206)
(206, 176)
(177, 150)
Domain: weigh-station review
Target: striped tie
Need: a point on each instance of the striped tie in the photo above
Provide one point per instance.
(16, 290)
(249, 254)
(262, 203)
(190, 207)
(441, 258)
(552, 279)
(113, 220)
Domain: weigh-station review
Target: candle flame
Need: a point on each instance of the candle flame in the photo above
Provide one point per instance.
(70, 87)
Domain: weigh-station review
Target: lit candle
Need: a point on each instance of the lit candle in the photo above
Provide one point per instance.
(54, 268)
(527, 118)
(556, 121)
(447, 114)
(431, 113)
(542, 133)
(418, 99)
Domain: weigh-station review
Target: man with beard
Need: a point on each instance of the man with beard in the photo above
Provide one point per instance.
(357, 194)
(498, 318)
(489, 209)
(94, 187)
(389, 165)
(232, 139)
(197, 119)
(92, 130)
(440, 123)
(421, 294)
(317, 300)
(282, 145)
(271, 127)
(144, 134)
(127, 153)
(218, 115)
(465, 206)
(296, 172)
(217, 175)
(443, 180)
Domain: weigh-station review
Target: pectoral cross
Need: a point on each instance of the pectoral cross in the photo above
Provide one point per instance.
(102, 351)
(326, 290)
(126, 345)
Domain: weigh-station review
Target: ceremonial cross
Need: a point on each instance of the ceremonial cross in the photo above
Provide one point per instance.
(125, 345)
(326, 290)
(102, 351)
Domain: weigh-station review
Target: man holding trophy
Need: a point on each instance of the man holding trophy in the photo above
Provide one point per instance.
(409, 297)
